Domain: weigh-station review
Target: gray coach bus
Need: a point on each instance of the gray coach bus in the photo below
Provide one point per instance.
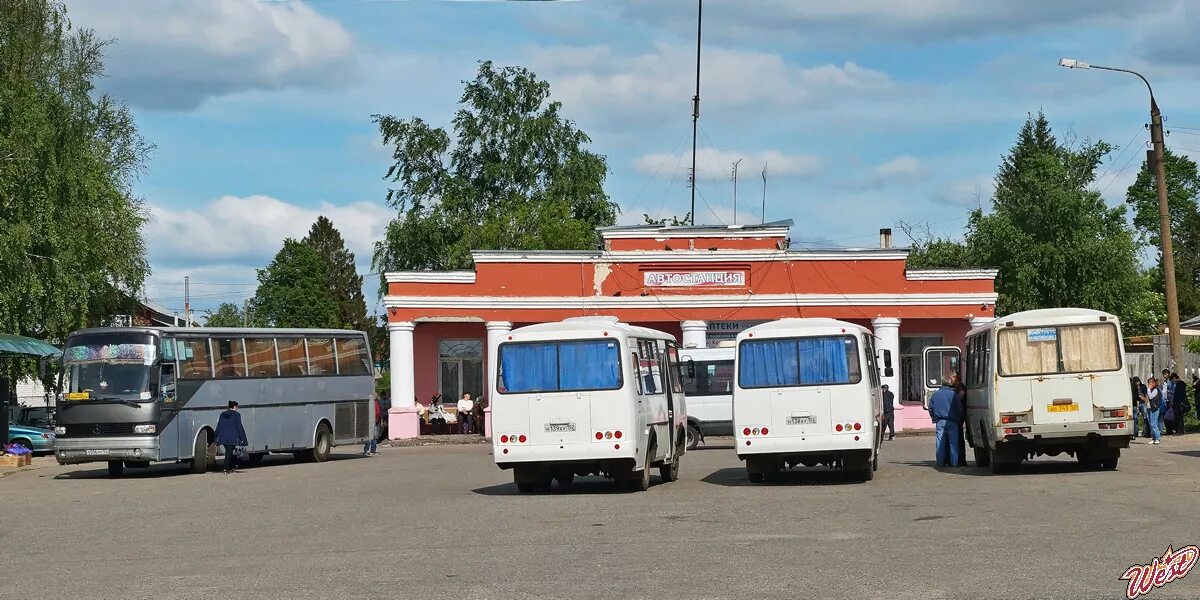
(133, 395)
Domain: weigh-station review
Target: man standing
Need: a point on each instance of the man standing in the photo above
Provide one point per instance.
(1138, 391)
(1166, 393)
(1154, 404)
(889, 423)
(231, 434)
(945, 412)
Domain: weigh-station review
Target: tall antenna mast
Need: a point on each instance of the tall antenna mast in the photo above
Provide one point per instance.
(696, 103)
(735, 170)
(764, 203)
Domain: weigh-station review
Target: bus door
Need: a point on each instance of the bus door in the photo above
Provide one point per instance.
(671, 382)
(940, 362)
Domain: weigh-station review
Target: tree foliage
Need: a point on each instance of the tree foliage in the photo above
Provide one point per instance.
(1183, 190)
(227, 314)
(293, 291)
(345, 285)
(1054, 240)
(71, 250)
(516, 174)
(671, 220)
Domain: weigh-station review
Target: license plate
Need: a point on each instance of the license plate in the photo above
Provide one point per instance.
(560, 427)
(801, 420)
(1072, 407)
(95, 452)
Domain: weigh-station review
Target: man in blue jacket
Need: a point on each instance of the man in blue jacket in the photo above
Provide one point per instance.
(946, 414)
(231, 434)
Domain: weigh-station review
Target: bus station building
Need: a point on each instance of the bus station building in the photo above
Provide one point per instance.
(702, 284)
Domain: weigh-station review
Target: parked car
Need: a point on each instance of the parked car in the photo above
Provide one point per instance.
(41, 441)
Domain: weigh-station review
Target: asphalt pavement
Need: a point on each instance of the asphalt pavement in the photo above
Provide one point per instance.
(444, 522)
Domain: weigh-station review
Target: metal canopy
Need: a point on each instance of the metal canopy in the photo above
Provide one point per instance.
(19, 345)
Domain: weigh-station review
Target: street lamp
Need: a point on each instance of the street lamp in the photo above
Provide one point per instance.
(1164, 217)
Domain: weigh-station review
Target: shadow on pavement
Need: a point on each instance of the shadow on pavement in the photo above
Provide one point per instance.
(583, 486)
(100, 470)
(1036, 467)
(801, 476)
(1191, 453)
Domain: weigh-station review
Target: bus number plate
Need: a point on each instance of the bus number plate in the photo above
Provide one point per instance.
(1072, 407)
(95, 452)
(802, 420)
(560, 427)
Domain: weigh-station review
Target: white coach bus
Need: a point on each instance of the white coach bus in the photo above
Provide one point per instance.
(1048, 381)
(584, 396)
(808, 393)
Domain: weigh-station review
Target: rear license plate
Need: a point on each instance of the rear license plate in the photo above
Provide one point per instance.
(560, 427)
(95, 452)
(1072, 407)
(801, 420)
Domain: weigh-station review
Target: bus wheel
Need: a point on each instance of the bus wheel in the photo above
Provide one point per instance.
(982, 458)
(529, 480)
(322, 444)
(754, 471)
(200, 454)
(1109, 464)
(116, 468)
(256, 459)
(670, 472)
(565, 479)
(1087, 460)
(693, 436)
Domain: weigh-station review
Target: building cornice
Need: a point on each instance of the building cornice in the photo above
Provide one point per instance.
(950, 274)
(430, 277)
(674, 301)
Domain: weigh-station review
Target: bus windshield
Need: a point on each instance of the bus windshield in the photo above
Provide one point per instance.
(788, 362)
(713, 378)
(1062, 349)
(112, 366)
(559, 366)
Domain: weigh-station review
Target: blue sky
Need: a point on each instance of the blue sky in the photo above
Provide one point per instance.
(866, 113)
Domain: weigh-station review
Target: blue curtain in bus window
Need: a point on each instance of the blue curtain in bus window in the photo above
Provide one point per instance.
(769, 363)
(528, 368)
(823, 361)
(589, 365)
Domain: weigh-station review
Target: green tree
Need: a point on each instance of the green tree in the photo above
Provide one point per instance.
(293, 291)
(514, 175)
(71, 250)
(227, 314)
(671, 220)
(345, 285)
(1183, 190)
(1053, 238)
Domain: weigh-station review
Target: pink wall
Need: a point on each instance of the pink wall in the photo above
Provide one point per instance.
(425, 353)
(953, 332)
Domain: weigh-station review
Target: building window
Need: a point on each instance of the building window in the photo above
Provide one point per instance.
(460, 368)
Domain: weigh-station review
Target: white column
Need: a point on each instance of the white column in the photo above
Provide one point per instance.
(496, 330)
(400, 338)
(981, 321)
(887, 332)
(695, 334)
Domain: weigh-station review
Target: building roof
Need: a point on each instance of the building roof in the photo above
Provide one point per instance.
(774, 228)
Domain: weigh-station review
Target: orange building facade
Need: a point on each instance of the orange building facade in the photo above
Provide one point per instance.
(701, 284)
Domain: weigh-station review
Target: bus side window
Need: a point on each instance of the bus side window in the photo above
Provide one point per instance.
(637, 373)
(292, 360)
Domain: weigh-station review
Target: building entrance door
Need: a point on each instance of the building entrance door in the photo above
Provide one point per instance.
(912, 365)
(460, 369)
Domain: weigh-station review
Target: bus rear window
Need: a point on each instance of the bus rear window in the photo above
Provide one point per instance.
(713, 378)
(1064, 349)
(789, 362)
(559, 367)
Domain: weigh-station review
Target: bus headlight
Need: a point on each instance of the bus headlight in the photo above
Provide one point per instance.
(145, 428)
(60, 430)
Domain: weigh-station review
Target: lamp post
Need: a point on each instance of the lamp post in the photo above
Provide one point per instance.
(1164, 215)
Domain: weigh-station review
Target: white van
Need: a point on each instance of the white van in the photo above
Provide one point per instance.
(708, 383)
(588, 395)
(1048, 381)
(808, 393)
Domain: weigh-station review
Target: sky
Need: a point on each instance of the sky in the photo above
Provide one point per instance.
(864, 113)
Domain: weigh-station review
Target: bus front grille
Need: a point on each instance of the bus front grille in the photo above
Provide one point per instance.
(97, 429)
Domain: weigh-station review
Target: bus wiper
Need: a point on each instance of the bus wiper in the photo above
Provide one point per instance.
(121, 401)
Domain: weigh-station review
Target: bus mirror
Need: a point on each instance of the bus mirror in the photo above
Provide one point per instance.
(887, 360)
(888, 372)
(691, 369)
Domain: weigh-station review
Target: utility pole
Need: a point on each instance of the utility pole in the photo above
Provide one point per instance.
(187, 307)
(246, 312)
(1155, 161)
(764, 199)
(735, 170)
(696, 103)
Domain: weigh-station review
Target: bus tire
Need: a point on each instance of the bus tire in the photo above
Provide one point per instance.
(322, 443)
(256, 459)
(693, 436)
(116, 468)
(200, 454)
(1086, 459)
(982, 458)
(1109, 464)
(565, 479)
(670, 472)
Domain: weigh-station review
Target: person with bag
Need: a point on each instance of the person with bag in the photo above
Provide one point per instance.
(1154, 400)
(231, 435)
(1138, 391)
(1182, 406)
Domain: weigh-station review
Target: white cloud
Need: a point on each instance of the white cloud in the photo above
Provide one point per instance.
(600, 79)
(970, 192)
(250, 230)
(901, 167)
(175, 54)
(883, 21)
(718, 164)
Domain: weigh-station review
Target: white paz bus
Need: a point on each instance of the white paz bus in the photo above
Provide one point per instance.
(1048, 381)
(584, 396)
(708, 384)
(808, 393)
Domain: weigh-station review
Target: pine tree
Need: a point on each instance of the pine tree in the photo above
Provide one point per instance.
(293, 291)
(345, 284)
